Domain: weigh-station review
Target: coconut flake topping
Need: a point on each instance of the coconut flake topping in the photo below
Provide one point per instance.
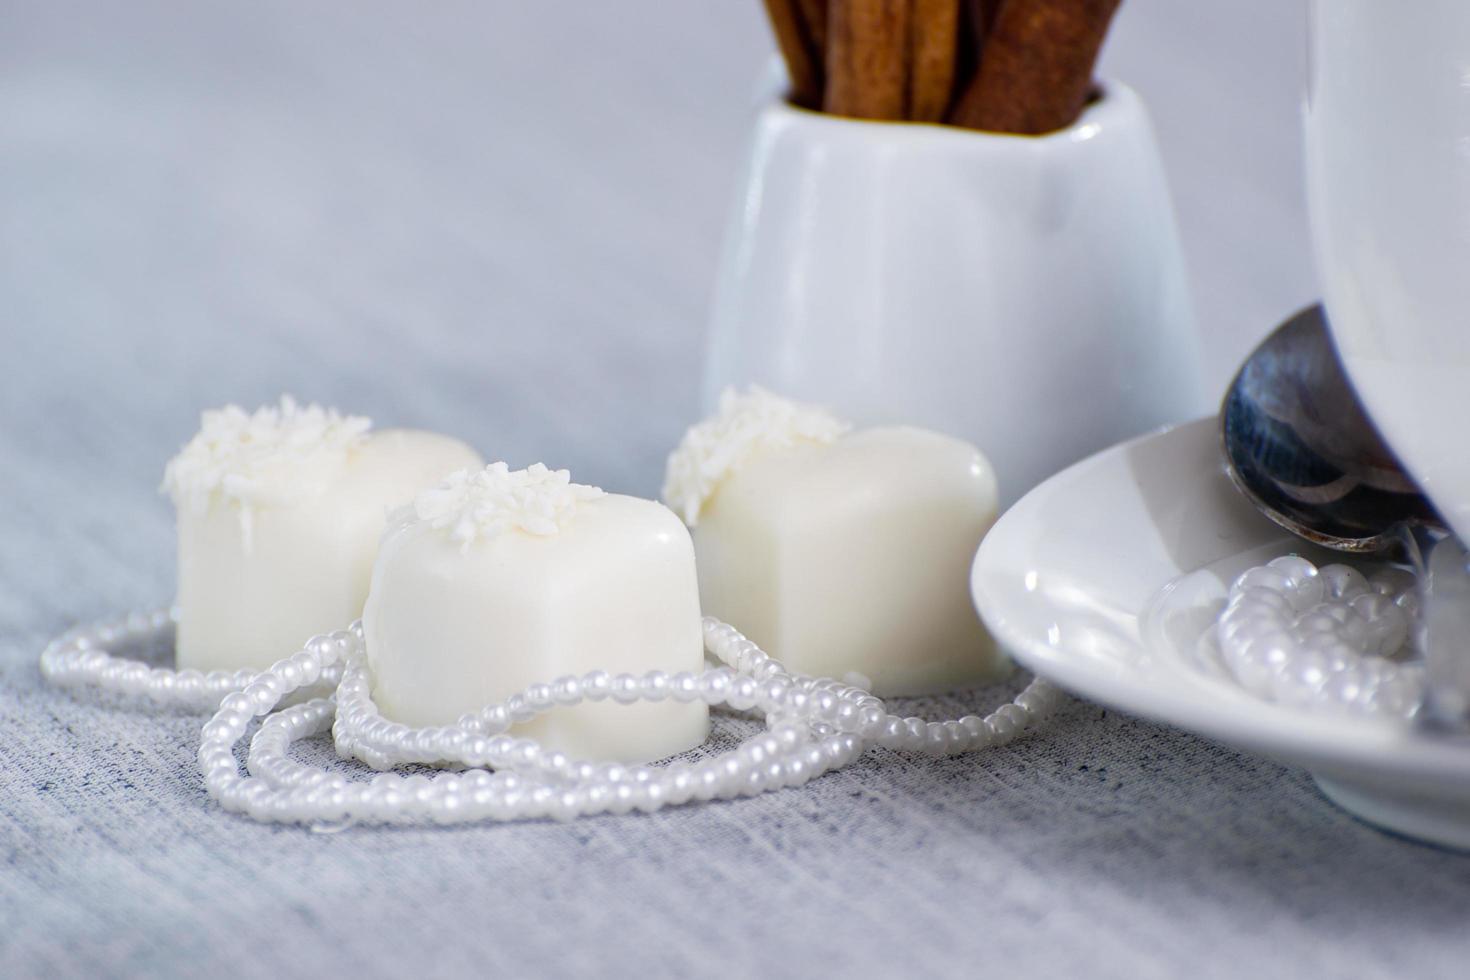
(747, 425)
(481, 504)
(277, 454)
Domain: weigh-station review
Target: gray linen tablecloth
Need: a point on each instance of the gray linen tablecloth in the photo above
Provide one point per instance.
(500, 220)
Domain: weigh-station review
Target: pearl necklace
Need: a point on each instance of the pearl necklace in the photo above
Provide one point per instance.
(1326, 638)
(82, 658)
(812, 726)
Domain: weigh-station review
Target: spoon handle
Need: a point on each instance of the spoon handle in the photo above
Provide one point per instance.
(1443, 634)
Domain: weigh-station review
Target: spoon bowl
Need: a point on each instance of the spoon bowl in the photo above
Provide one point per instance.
(1297, 442)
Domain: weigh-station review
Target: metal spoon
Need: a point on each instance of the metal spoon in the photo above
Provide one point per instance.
(1298, 444)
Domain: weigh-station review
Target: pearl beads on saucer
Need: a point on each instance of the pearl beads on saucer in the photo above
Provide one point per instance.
(1323, 639)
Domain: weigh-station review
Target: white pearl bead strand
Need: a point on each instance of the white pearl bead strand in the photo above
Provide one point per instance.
(1323, 639)
(84, 658)
(812, 726)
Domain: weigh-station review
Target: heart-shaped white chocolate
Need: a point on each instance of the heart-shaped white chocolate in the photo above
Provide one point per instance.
(853, 557)
(498, 579)
(279, 518)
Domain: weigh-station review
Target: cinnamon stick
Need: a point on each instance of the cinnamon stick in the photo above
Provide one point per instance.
(814, 22)
(981, 17)
(975, 19)
(1036, 67)
(799, 51)
(934, 38)
(867, 55)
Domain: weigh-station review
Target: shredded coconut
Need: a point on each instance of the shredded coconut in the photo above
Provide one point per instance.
(747, 425)
(276, 454)
(481, 504)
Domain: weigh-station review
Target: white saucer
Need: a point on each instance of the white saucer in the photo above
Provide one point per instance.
(1106, 578)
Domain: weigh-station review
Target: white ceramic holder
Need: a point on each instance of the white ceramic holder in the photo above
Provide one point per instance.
(1025, 293)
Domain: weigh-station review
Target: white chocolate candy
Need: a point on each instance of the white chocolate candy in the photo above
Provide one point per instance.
(497, 580)
(840, 554)
(279, 518)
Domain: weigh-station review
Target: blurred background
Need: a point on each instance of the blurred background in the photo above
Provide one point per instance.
(206, 202)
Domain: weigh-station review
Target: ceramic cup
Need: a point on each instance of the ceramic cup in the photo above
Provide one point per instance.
(1026, 293)
(1388, 158)
(1388, 179)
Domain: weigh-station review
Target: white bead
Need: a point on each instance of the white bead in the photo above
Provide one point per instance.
(596, 685)
(1003, 727)
(685, 686)
(1389, 633)
(1343, 582)
(714, 685)
(681, 785)
(622, 799)
(566, 805)
(655, 685)
(1392, 582)
(936, 739)
(773, 692)
(518, 709)
(707, 783)
(1262, 578)
(1372, 605)
(1294, 567)
(626, 688)
(1013, 713)
(893, 733)
(567, 690)
(742, 694)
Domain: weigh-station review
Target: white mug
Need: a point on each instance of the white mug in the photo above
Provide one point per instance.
(1388, 157)
(1026, 293)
